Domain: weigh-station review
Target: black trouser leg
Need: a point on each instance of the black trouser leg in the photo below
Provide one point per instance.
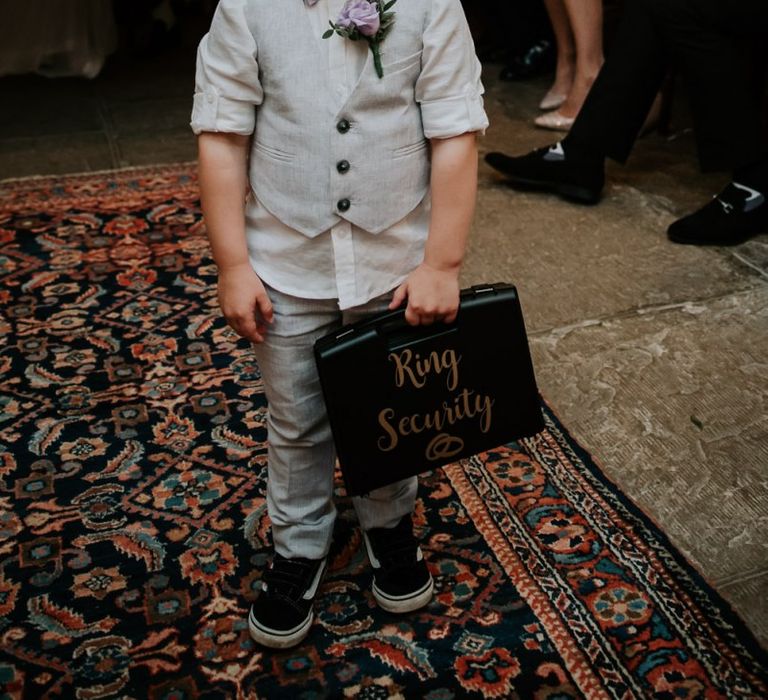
(624, 90)
(713, 44)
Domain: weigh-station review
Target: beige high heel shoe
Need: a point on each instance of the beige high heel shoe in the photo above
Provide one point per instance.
(551, 101)
(554, 121)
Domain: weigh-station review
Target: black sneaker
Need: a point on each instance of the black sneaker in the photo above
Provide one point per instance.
(401, 580)
(282, 614)
(549, 169)
(735, 215)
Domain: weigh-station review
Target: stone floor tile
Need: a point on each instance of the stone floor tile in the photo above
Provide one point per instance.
(55, 154)
(129, 117)
(750, 586)
(755, 254)
(147, 148)
(164, 76)
(573, 263)
(673, 403)
(42, 112)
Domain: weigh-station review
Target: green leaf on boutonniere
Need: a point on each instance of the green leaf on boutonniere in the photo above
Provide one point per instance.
(351, 26)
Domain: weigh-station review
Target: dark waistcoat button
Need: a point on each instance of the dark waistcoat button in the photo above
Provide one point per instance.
(342, 166)
(343, 204)
(342, 126)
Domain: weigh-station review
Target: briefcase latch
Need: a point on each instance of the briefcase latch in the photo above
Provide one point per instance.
(339, 336)
(482, 289)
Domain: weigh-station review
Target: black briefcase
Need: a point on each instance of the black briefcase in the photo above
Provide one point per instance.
(406, 399)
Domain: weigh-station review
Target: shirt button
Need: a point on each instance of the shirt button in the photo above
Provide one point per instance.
(342, 166)
(343, 204)
(343, 126)
(210, 97)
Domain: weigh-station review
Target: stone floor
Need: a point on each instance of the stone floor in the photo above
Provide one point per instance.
(653, 354)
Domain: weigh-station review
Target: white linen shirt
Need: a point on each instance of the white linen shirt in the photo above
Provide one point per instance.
(345, 262)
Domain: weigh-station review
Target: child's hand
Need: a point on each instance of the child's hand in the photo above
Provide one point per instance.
(433, 295)
(244, 302)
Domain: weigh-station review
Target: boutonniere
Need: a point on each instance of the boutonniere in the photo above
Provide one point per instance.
(370, 21)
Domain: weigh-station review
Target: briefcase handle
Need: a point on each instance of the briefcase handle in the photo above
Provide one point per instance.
(396, 331)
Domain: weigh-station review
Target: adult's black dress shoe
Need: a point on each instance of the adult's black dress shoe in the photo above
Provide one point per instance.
(537, 60)
(735, 215)
(549, 169)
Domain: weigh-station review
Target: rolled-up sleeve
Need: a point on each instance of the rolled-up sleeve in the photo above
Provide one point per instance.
(449, 89)
(227, 87)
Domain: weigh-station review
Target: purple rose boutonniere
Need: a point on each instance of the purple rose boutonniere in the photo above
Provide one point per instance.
(366, 20)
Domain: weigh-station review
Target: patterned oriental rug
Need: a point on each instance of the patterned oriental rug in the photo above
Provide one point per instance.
(133, 525)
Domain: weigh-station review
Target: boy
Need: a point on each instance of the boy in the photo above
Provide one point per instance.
(343, 207)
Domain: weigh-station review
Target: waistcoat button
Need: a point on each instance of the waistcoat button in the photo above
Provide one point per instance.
(342, 166)
(342, 126)
(343, 204)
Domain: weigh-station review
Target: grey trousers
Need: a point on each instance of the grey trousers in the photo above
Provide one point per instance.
(301, 454)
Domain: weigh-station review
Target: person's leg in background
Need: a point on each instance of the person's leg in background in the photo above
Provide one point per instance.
(565, 66)
(621, 96)
(578, 26)
(710, 44)
(609, 121)
(713, 55)
(586, 20)
(714, 45)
